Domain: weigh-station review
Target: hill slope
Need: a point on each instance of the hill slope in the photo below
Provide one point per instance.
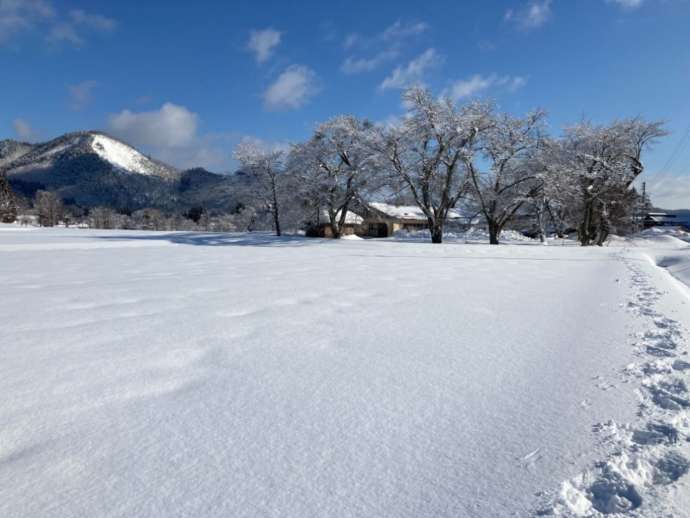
(91, 168)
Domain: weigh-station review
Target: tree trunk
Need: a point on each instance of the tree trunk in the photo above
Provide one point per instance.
(335, 230)
(494, 232)
(436, 228)
(276, 221)
(541, 226)
(604, 228)
(276, 214)
(585, 230)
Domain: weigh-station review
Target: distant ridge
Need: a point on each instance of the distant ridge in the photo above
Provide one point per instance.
(92, 168)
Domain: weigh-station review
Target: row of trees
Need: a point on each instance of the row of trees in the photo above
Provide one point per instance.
(441, 154)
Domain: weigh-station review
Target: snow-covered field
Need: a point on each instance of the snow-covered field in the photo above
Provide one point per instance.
(209, 375)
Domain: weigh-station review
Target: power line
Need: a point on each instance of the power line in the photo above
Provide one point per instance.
(676, 151)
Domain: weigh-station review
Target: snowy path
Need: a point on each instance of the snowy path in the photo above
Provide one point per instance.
(184, 375)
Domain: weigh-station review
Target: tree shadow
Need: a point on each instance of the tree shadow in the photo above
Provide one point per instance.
(258, 239)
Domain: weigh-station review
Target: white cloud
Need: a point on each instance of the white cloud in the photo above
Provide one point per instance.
(263, 43)
(293, 88)
(351, 40)
(478, 84)
(669, 192)
(17, 16)
(468, 87)
(400, 30)
(627, 4)
(81, 93)
(356, 65)
(530, 16)
(95, 22)
(382, 48)
(24, 130)
(414, 72)
(171, 134)
(71, 30)
(64, 32)
(171, 125)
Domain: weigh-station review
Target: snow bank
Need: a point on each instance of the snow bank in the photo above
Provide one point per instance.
(667, 247)
(473, 235)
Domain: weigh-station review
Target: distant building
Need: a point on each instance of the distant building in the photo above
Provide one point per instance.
(322, 228)
(660, 219)
(384, 219)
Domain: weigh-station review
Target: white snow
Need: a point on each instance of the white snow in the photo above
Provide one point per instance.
(121, 155)
(214, 375)
(410, 212)
(351, 218)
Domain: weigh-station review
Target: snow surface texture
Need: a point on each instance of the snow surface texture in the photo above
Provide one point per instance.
(652, 453)
(120, 155)
(150, 374)
(411, 212)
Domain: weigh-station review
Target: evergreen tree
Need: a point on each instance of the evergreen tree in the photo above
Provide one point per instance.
(8, 201)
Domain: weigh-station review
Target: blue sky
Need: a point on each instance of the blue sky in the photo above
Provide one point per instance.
(186, 80)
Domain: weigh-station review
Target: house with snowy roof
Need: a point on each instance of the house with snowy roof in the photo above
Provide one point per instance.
(384, 219)
(322, 227)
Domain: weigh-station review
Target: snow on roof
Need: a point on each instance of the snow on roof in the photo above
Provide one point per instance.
(410, 212)
(350, 218)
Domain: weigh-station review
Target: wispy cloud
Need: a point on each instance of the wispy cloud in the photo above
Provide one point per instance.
(381, 48)
(400, 30)
(292, 89)
(40, 16)
(627, 4)
(17, 16)
(353, 65)
(24, 131)
(94, 22)
(532, 15)
(414, 72)
(71, 29)
(478, 84)
(263, 43)
(80, 94)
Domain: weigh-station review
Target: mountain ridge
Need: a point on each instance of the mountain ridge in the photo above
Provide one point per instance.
(92, 168)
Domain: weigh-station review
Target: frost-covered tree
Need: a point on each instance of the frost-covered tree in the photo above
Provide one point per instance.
(602, 162)
(49, 208)
(102, 217)
(508, 145)
(8, 201)
(333, 167)
(266, 168)
(430, 151)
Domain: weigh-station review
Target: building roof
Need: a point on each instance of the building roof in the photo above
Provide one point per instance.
(411, 212)
(350, 218)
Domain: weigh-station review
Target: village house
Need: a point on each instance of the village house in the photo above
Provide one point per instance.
(380, 220)
(322, 228)
(384, 219)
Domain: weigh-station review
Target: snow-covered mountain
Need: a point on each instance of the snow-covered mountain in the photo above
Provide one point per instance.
(11, 150)
(22, 157)
(91, 168)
